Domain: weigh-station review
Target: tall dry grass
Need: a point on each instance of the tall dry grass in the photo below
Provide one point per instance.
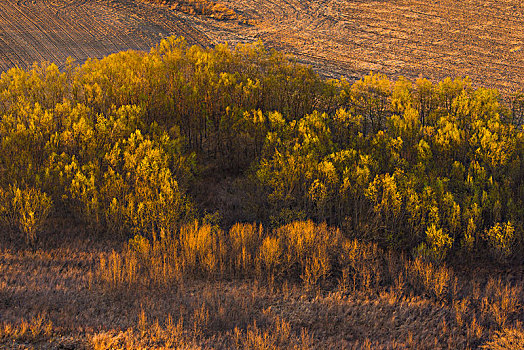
(37, 328)
(298, 251)
(367, 310)
(302, 286)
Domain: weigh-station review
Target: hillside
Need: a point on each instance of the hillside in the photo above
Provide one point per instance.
(53, 30)
(187, 195)
(480, 39)
(230, 198)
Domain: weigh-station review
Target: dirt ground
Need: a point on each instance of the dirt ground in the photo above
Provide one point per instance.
(482, 39)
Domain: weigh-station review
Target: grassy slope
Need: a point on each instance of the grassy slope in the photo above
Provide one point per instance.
(50, 299)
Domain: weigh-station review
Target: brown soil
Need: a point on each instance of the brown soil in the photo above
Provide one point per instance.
(53, 30)
(480, 39)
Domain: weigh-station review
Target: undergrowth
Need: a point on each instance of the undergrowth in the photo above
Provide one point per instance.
(321, 260)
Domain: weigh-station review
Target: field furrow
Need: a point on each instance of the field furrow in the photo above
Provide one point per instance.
(482, 39)
(53, 30)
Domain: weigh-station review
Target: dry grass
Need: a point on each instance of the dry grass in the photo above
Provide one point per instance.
(56, 297)
(301, 250)
(207, 8)
(33, 331)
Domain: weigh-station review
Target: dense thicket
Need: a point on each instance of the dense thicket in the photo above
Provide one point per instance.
(118, 143)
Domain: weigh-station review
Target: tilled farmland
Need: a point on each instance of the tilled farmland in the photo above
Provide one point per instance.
(53, 30)
(480, 39)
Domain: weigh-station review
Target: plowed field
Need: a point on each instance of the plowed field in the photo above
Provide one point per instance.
(52, 30)
(483, 39)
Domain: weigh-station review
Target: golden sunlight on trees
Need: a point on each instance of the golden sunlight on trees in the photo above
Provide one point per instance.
(248, 188)
(119, 143)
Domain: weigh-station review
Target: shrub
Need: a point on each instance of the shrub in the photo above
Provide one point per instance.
(308, 249)
(437, 246)
(501, 239)
(429, 279)
(270, 254)
(25, 209)
(245, 241)
(199, 246)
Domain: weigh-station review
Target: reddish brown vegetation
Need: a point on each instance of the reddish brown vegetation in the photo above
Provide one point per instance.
(56, 297)
(208, 8)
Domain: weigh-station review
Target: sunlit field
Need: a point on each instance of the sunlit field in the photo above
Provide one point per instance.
(411, 38)
(229, 197)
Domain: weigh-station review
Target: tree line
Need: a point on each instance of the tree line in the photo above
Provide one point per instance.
(434, 169)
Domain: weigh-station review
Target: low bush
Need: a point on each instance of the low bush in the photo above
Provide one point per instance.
(25, 210)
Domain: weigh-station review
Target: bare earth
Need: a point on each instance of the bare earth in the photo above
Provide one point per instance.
(52, 30)
(482, 39)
